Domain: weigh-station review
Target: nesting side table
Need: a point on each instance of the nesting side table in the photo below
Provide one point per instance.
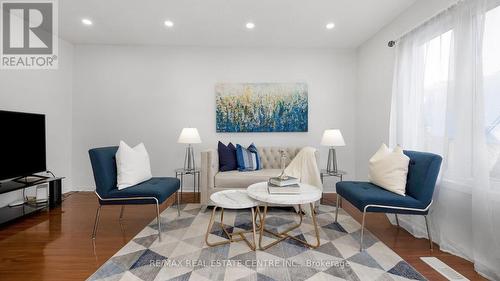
(235, 200)
(308, 195)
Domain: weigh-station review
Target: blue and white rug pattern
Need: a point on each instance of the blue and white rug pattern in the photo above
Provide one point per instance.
(183, 254)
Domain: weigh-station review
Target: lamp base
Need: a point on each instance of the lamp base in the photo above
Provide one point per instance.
(189, 159)
(331, 166)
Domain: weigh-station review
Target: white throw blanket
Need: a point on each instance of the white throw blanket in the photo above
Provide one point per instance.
(305, 168)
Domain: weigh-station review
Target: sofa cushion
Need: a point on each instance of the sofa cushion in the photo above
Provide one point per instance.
(252, 148)
(132, 165)
(389, 169)
(237, 179)
(247, 159)
(227, 157)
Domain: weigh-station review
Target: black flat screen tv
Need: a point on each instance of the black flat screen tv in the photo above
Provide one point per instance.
(22, 144)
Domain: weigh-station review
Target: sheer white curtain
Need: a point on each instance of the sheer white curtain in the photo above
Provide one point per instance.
(440, 104)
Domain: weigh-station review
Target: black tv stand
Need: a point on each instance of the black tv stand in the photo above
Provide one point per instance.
(54, 199)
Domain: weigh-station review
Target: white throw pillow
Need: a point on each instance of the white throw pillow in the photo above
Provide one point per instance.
(132, 165)
(389, 169)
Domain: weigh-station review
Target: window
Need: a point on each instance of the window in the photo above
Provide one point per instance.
(491, 72)
(436, 68)
(436, 58)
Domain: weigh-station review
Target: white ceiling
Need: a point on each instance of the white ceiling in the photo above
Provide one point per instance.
(279, 23)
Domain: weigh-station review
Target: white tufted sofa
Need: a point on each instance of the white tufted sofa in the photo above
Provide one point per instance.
(212, 180)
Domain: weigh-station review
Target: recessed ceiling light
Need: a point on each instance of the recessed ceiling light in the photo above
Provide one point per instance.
(86, 22)
(250, 25)
(169, 23)
(330, 25)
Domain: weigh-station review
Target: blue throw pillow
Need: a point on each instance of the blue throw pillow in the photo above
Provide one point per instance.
(253, 149)
(247, 159)
(227, 157)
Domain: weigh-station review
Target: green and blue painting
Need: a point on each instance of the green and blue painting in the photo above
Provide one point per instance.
(261, 107)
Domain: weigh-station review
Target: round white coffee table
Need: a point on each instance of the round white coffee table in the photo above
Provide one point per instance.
(308, 195)
(232, 199)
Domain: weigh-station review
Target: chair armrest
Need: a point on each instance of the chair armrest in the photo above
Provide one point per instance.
(209, 168)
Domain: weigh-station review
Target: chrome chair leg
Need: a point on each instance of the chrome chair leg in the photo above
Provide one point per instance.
(158, 220)
(121, 212)
(96, 222)
(428, 231)
(178, 204)
(362, 232)
(337, 207)
(397, 219)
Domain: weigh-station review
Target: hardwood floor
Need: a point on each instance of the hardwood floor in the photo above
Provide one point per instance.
(56, 245)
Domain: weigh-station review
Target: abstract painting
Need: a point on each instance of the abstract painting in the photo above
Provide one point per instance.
(261, 107)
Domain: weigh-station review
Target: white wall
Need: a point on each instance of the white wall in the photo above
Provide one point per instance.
(149, 94)
(375, 65)
(48, 92)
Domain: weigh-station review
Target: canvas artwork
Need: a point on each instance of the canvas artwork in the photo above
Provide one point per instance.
(261, 107)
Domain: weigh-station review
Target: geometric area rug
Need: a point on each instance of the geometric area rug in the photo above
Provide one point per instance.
(183, 254)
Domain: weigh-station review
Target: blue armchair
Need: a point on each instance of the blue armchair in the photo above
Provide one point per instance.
(153, 191)
(423, 171)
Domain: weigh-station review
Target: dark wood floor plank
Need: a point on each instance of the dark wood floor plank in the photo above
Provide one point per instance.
(56, 245)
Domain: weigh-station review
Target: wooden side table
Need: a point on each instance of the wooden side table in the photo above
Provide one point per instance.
(181, 172)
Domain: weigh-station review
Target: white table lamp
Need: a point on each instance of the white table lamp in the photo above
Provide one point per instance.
(189, 136)
(332, 138)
